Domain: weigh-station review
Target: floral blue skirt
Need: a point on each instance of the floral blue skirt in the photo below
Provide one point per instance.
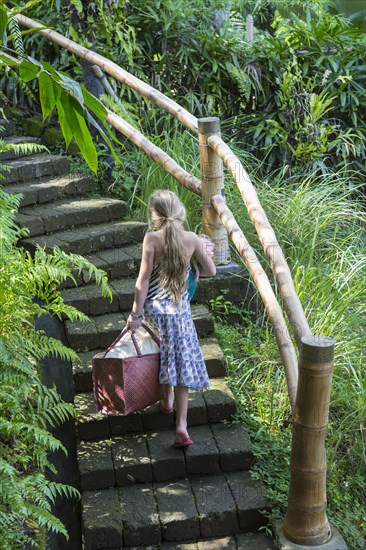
(181, 359)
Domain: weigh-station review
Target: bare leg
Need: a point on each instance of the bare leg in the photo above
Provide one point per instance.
(181, 400)
(169, 397)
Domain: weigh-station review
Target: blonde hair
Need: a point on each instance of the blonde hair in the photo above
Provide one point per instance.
(167, 213)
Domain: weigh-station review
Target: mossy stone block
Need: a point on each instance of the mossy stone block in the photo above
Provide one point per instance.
(33, 126)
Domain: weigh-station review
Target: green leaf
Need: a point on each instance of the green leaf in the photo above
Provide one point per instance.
(28, 70)
(49, 94)
(72, 87)
(78, 5)
(92, 121)
(8, 62)
(3, 24)
(94, 104)
(64, 118)
(81, 132)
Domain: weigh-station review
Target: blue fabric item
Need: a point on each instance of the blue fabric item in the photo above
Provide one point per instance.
(192, 283)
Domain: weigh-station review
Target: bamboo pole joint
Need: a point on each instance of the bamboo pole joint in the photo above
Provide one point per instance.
(212, 183)
(306, 520)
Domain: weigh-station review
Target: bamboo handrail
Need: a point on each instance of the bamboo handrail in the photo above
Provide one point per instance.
(155, 153)
(260, 278)
(256, 213)
(267, 236)
(114, 70)
(265, 232)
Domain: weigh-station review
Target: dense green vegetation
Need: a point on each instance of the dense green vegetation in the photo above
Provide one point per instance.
(293, 107)
(296, 94)
(28, 289)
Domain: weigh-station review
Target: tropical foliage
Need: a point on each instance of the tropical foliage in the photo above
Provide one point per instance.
(27, 407)
(76, 108)
(297, 91)
(293, 105)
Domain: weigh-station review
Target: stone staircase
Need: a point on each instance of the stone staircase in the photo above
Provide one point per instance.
(137, 489)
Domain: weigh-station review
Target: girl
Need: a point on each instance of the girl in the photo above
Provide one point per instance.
(161, 292)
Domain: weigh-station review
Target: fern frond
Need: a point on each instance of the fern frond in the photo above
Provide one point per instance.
(45, 346)
(38, 435)
(22, 148)
(99, 276)
(16, 37)
(54, 490)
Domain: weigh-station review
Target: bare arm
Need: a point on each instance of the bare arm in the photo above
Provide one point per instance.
(208, 268)
(143, 279)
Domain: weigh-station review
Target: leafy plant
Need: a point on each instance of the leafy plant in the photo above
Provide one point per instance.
(27, 407)
(57, 91)
(303, 99)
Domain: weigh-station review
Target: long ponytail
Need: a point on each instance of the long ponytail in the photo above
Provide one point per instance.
(167, 213)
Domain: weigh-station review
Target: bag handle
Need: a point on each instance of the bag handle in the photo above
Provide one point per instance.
(133, 338)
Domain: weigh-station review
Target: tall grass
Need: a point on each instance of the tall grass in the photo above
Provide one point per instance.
(138, 175)
(321, 227)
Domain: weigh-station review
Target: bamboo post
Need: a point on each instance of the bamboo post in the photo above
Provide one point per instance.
(250, 29)
(306, 520)
(212, 182)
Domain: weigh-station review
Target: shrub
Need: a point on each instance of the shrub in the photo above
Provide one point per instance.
(27, 407)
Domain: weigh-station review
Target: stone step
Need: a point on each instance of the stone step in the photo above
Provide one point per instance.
(16, 140)
(101, 330)
(216, 505)
(90, 239)
(8, 127)
(46, 190)
(123, 261)
(89, 300)
(238, 541)
(35, 167)
(215, 404)
(68, 213)
(151, 456)
(213, 354)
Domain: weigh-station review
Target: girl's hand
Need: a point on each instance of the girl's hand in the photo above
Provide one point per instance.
(196, 270)
(208, 245)
(134, 324)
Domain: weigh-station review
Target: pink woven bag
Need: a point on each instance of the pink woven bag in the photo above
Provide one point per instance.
(125, 385)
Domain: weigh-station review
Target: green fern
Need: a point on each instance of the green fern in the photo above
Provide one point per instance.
(27, 407)
(22, 148)
(16, 37)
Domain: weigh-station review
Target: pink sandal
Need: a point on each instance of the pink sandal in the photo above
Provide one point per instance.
(183, 442)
